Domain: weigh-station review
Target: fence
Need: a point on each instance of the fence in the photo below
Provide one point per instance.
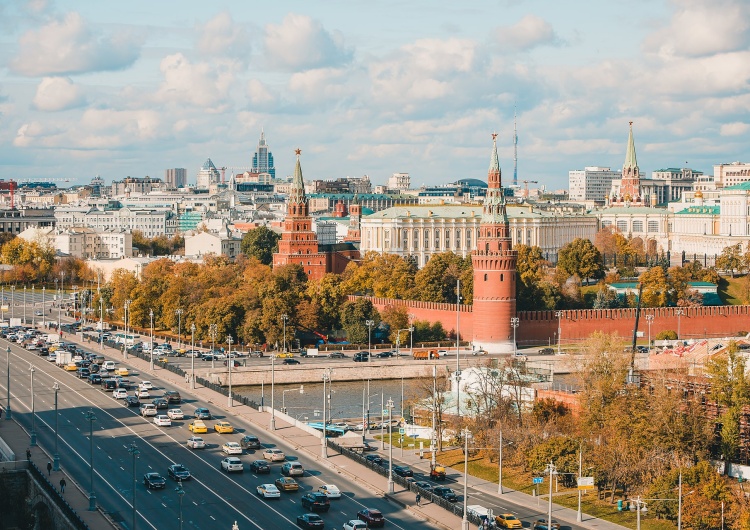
(66, 508)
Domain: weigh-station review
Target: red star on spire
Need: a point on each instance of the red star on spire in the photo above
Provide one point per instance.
(494, 135)
(298, 151)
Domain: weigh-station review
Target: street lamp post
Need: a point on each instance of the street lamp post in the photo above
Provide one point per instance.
(500, 465)
(552, 471)
(192, 355)
(514, 321)
(679, 313)
(465, 520)
(133, 450)
(151, 349)
(433, 438)
(324, 447)
(213, 332)
(649, 321)
(12, 301)
(32, 436)
(33, 312)
(559, 315)
(56, 456)
(24, 305)
(181, 493)
(75, 301)
(230, 362)
(127, 336)
(284, 317)
(301, 390)
(179, 312)
(8, 411)
(101, 323)
(369, 324)
(273, 376)
(91, 417)
(389, 406)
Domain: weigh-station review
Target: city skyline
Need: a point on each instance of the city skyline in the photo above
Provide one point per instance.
(132, 89)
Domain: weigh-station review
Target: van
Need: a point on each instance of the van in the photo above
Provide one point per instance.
(109, 385)
(109, 365)
(478, 510)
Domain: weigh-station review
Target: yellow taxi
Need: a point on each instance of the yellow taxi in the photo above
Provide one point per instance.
(508, 520)
(71, 367)
(223, 427)
(286, 484)
(197, 427)
(54, 347)
(284, 355)
(122, 371)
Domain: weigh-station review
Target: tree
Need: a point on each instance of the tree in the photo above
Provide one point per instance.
(384, 275)
(656, 289)
(535, 287)
(260, 243)
(730, 259)
(33, 260)
(436, 281)
(580, 257)
(354, 314)
(396, 317)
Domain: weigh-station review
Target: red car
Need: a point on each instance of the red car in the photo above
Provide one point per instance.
(372, 517)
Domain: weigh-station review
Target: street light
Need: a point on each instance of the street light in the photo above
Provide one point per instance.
(369, 324)
(324, 447)
(181, 493)
(465, 520)
(514, 322)
(389, 406)
(273, 376)
(92, 496)
(56, 456)
(8, 411)
(559, 315)
(101, 323)
(679, 313)
(284, 317)
(24, 305)
(230, 362)
(553, 471)
(133, 450)
(127, 307)
(151, 349)
(213, 333)
(192, 354)
(179, 312)
(32, 442)
(12, 301)
(649, 321)
(301, 390)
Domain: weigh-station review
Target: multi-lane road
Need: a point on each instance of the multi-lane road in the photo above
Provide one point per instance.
(211, 497)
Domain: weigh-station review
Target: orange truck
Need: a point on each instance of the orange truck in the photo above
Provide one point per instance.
(426, 354)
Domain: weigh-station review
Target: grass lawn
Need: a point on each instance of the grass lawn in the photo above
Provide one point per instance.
(730, 290)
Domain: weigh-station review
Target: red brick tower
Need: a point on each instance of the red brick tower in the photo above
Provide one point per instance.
(299, 244)
(630, 187)
(494, 264)
(353, 233)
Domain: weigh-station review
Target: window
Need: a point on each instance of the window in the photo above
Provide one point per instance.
(458, 238)
(447, 239)
(606, 224)
(426, 239)
(653, 226)
(622, 226)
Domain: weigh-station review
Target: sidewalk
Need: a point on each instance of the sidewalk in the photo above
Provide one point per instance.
(365, 477)
(76, 495)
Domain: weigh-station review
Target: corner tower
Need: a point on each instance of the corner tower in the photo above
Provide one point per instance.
(494, 264)
(630, 187)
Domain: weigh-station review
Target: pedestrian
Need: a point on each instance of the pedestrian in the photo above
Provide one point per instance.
(62, 485)
(49, 468)
(28, 453)
(419, 499)
(187, 378)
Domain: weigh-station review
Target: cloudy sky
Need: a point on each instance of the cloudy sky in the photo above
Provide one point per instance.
(371, 87)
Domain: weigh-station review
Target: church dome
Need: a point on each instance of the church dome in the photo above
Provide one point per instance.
(698, 194)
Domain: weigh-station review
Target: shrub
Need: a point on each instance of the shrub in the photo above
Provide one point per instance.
(667, 334)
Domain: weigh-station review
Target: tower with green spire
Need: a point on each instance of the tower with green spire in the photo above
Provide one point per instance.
(630, 186)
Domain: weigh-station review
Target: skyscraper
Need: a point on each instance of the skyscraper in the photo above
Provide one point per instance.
(175, 178)
(207, 175)
(263, 159)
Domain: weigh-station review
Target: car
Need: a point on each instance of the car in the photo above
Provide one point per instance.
(145, 385)
(154, 481)
(372, 517)
(232, 463)
(362, 356)
(336, 355)
(178, 472)
(292, 469)
(122, 371)
(132, 401)
(330, 491)
(162, 420)
(197, 427)
(223, 427)
(38, 312)
(445, 493)
(507, 520)
(286, 484)
(284, 355)
(142, 394)
(310, 520)
(160, 403)
(403, 471)
(355, 524)
(384, 354)
(250, 441)
(375, 459)
(147, 409)
(95, 379)
(274, 455)
(268, 491)
(542, 524)
(231, 448)
(83, 373)
(71, 367)
(193, 353)
(315, 502)
(172, 396)
(219, 356)
(547, 351)
(202, 413)
(196, 442)
(291, 361)
(175, 414)
(235, 363)
(260, 467)
(644, 349)
(424, 485)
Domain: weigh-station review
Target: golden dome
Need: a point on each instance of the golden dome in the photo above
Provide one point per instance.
(698, 194)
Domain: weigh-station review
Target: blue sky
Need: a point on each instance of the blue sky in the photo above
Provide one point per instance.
(131, 88)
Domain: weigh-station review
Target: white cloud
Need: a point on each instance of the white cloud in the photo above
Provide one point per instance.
(529, 32)
(734, 129)
(301, 43)
(221, 36)
(702, 27)
(68, 45)
(259, 94)
(321, 85)
(58, 93)
(202, 84)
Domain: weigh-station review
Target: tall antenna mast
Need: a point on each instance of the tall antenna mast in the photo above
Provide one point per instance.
(515, 150)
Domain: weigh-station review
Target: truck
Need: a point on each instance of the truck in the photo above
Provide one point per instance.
(53, 338)
(426, 354)
(437, 472)
(63, 358)
(310, 352)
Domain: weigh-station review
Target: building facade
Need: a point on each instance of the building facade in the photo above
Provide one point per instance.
(263, 158)
(140, 186)
(592, 183)
(207, 175)
(175, 178)
(726, 175)
(222, 243)
(399, 181)
(152, 223)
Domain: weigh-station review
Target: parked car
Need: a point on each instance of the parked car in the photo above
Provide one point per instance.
(268, 491)
(424, 485)
(292, 469)
(196, 442)
(310, 520)
(315, 502)
(154, 481)
(231, 448)
(375, 459)
(232, 464)
(250, 441)
(372, 517)
(286, 484)
(547, 351)
(384, 354)
(202, 414)
(178, 472)
(260, 467)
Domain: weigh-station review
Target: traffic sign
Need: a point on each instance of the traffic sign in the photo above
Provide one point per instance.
(402, 431)
(585, 483)
(385, 412)
(538, 480)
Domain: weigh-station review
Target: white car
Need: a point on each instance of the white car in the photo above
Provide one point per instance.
(274, 455)
(175, 414)
(232, 463)
(142, 394)
(268, 491)
(355, 524)
(120, 393)
(232, 448)
(162, 420)
(196, 442)
(330, 491)
(145, 385)
(148, 409)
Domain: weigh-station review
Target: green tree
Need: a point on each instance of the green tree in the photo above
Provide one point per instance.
(260, 243)
(731, 259)
(535, 288)
(580, 257)
(34, 260)
(354, 314)
(436, 281)
(656, 291)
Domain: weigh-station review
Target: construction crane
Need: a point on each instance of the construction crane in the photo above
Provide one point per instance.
(224, 169)
(10, 185)
(27, 181)
(526, 186)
